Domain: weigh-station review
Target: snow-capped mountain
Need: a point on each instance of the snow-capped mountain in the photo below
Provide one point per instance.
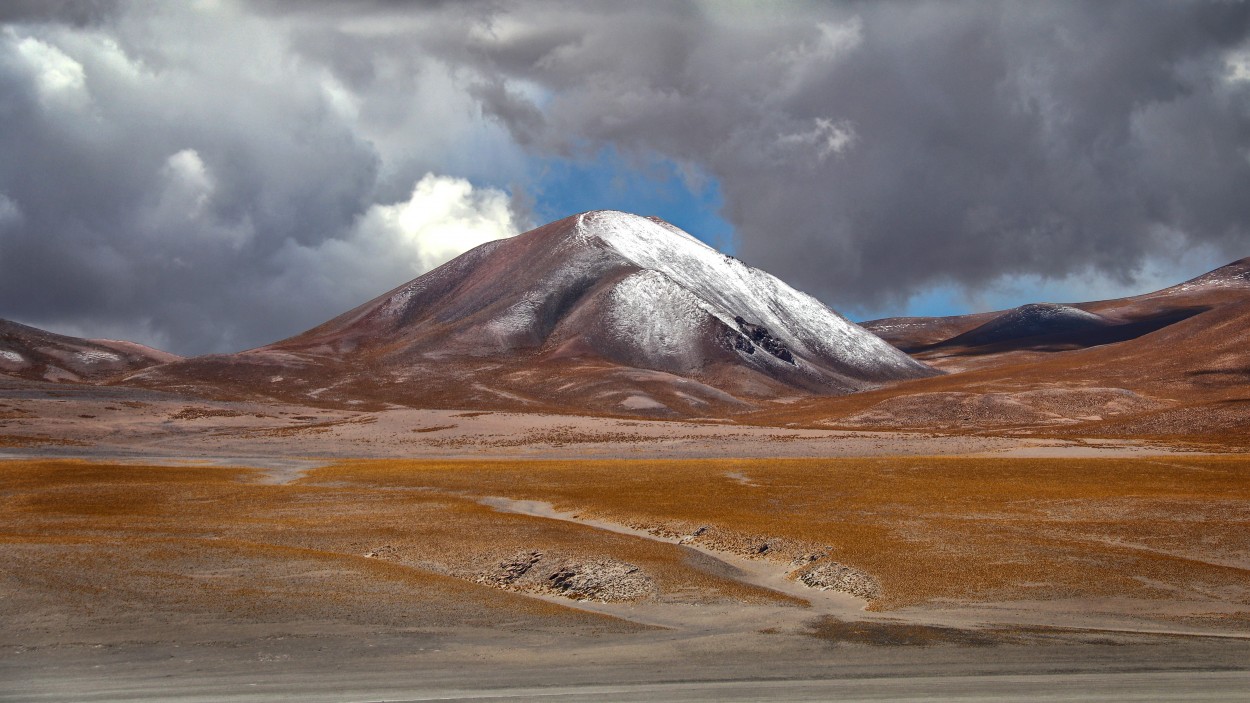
(605, 311)
(629, 288)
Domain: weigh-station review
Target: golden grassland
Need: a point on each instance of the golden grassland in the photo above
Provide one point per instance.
(107, 539)
(927, 528)
(114, 540)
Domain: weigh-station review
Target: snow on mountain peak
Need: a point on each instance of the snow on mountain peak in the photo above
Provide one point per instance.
(729, 289)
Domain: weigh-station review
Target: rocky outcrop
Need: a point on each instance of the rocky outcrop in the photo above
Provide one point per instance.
(606, 580)
(758, 335)
(832, 576)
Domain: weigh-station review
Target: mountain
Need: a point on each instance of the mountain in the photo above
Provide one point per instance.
(35, 354)
(1169, 364)
(952, 342)
(603, 311)
(1030, 321)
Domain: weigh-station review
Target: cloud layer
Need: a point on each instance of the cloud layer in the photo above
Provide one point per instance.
(214, 175)
(213, 190)
(866, 151)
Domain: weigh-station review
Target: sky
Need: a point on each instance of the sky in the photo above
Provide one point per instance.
(213, 175)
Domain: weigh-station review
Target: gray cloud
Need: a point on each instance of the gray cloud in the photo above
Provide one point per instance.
(210, 179)
(74, 12)
(206, 190)
(868, 151)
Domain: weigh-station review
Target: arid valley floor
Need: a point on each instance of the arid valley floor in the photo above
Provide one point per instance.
(167, 547)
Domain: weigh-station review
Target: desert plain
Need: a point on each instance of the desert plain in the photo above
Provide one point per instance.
(160, 546)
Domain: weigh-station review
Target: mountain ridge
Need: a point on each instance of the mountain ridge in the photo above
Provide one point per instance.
(1161, 365)
(935, 338)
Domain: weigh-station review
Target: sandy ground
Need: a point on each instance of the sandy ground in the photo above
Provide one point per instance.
(107, 422)
(382, 670)
(183, 579)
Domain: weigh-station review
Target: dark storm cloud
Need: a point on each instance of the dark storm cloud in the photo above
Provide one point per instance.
(133, 191)
(212, 176)
(210, 190)
(867, 151)
(75, 12)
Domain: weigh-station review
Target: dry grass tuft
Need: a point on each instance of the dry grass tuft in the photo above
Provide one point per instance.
(194, 413)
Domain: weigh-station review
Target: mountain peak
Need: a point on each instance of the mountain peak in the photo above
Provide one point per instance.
(616, 226)
(604, 307)
(732, 291)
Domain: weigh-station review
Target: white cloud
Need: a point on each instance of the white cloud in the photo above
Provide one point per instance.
(188, 183)
(339, 97)
(59, 79)
(392, 244)
(798, 63)
(1238, 65)
(183, 210)
(443, 218)
(835, 40)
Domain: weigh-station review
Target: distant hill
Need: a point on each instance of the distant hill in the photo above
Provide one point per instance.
(948, 341)
(1170, 364)
(35, 354)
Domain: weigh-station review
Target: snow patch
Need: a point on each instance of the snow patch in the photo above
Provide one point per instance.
(1231, 276)
(650, 312)
(92, 356)
(12, 359)
(642, 402)
(397, 303)
(517, 321)
(1030, 320)
(693, 400)
(1054, 311)
(502, 394)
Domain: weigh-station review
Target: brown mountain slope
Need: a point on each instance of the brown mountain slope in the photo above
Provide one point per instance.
(1187, 379)
(1011, 336)
(601, 312)
(32, 353)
